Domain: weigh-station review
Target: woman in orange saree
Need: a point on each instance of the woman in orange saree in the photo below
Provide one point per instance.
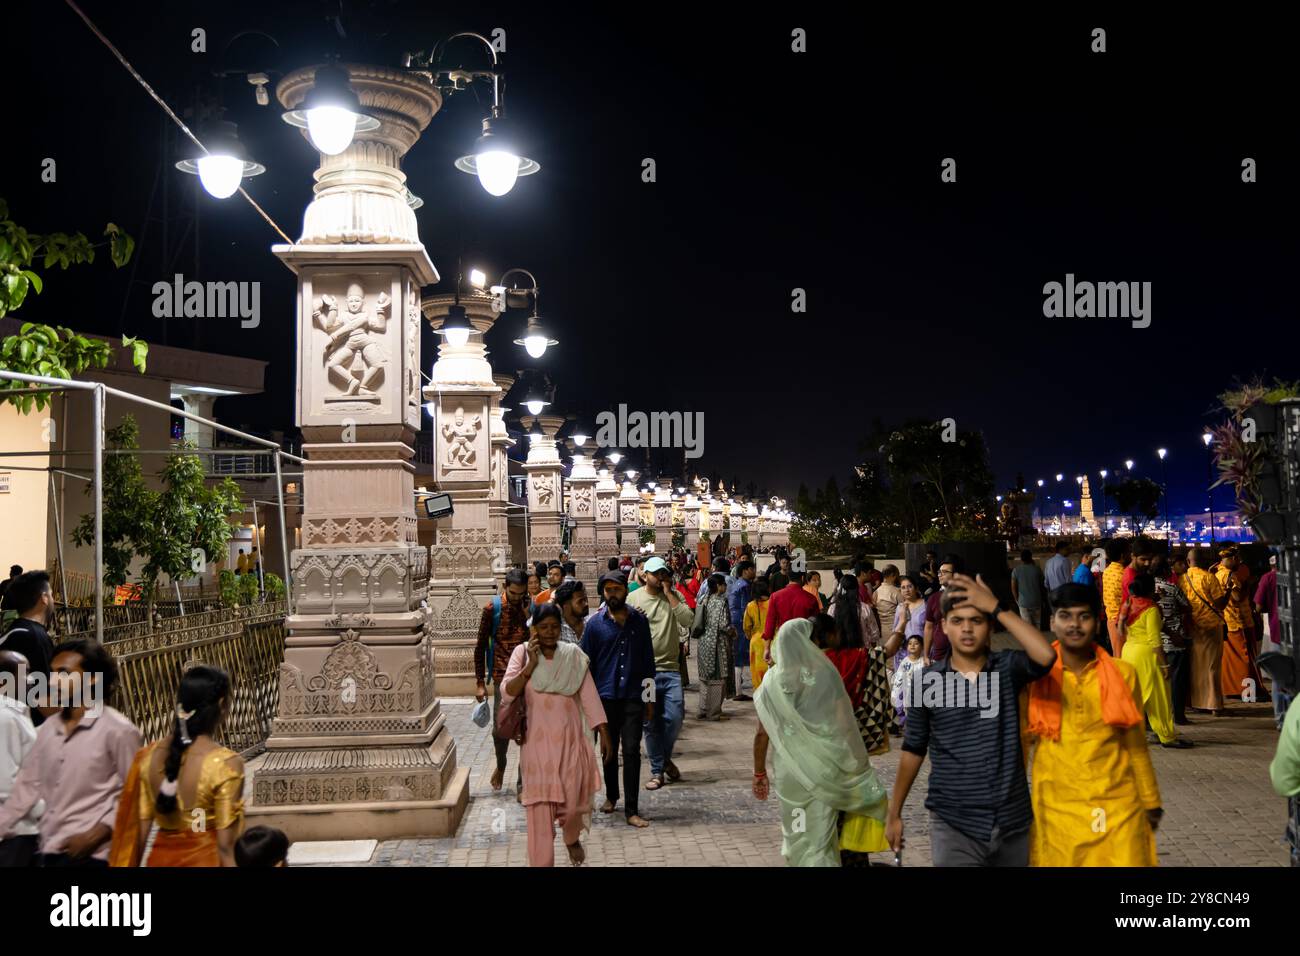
(187, 784)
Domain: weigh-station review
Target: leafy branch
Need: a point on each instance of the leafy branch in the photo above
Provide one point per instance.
(52, 351)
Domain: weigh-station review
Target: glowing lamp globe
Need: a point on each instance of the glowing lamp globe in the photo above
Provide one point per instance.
(331, 128)
(220, 175)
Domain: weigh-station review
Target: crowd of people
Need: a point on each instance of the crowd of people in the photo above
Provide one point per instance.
(1112, 651)
(78, 789)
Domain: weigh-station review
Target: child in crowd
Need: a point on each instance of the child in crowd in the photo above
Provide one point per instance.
(903, 676)
(262, 846)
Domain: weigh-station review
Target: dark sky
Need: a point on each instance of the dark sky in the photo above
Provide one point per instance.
(775, 171)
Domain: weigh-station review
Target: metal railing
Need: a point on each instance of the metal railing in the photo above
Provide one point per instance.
(241, 463)
(123, 621)
(99, 394)
(150, 669)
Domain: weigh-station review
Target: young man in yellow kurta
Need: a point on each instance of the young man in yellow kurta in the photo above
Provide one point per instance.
(1094, 792)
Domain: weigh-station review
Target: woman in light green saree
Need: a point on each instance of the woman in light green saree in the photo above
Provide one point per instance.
(819, 763)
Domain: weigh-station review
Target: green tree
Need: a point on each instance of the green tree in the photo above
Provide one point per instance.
(953, 475)
(42, 349)
(169, 528)
(1139, 498)
(911, 485)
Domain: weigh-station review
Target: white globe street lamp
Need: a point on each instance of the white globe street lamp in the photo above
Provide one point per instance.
(224, 164)
(331, 112)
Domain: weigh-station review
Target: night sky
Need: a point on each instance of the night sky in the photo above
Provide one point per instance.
(775, 171)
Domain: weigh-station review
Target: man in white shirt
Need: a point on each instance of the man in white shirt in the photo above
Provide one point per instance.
(1057, 570)
(887, 598)
(17, 735)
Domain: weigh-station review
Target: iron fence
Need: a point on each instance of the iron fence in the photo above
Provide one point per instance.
(250, 651)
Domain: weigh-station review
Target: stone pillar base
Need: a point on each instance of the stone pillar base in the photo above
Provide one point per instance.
(382, 820)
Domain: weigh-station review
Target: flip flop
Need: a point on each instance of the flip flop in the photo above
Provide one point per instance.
(654, 783)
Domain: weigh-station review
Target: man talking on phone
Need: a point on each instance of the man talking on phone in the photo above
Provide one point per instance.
(617, 641)
(668, 615)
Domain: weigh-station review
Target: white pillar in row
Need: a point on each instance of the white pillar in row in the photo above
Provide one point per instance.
(629, 519)
(663, 512)
(582, 510)
(691, 522)
(606, 516)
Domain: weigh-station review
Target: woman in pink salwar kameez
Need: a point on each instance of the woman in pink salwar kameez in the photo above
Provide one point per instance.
(561, 774)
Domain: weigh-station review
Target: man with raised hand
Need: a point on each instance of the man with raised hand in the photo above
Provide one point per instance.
(668, 616)
(968, 720)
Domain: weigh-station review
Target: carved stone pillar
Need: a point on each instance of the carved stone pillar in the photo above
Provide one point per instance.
(716, 521)
(606, 516)
(464, 558)
(358, 747)
(691, 522)
(582, 509)
(751, 525)
(735, 522)
(765, 529)
(545, 490)
(499, 504)
(663, 511)
(629, 520)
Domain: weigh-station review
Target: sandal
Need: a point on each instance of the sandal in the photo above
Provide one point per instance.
(674, 774)
(577, 855)
(654, 783)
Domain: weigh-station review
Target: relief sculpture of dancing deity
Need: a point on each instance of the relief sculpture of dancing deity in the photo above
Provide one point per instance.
(459, 435)
(349, 340)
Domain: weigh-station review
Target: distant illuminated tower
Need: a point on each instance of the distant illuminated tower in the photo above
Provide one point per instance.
(1085, 503)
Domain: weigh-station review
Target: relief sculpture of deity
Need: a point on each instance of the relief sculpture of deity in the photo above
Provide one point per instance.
(544, 487)
(459, 435)
(355, 335)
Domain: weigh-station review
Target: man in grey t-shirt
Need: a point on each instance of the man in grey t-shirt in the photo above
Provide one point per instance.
(1027, 587)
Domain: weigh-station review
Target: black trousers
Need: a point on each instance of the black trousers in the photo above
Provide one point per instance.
(1180, 672)
(19, 851)
(624, 718)
(502, 746)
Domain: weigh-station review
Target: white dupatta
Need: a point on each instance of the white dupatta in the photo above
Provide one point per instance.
(562, 674)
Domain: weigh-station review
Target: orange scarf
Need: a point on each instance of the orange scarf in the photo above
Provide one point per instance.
(1137, 607)
(1117, 707)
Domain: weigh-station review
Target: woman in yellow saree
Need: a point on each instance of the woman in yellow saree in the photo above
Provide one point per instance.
(187, 783)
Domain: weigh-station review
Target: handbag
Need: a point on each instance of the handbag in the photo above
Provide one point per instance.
(512, 720)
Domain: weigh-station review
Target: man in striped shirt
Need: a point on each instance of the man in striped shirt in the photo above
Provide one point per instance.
(967, 718)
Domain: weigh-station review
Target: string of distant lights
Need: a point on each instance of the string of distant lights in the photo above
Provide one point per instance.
(1129, 464)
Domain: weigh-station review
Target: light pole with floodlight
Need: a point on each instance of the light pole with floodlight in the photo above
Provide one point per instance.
(1209, 474)
(1164, 486)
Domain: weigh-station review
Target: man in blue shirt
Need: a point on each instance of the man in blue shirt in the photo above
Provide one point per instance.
(738, 598)
(617, 641)
(1057, 570)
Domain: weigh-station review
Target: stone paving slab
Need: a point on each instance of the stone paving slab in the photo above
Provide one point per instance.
(1219, 807)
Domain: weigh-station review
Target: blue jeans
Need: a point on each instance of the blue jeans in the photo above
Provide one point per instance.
(661, 731)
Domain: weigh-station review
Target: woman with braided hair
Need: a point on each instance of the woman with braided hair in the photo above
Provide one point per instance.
(187, 783)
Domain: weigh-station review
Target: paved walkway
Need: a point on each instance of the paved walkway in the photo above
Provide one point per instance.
(1220, 808)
